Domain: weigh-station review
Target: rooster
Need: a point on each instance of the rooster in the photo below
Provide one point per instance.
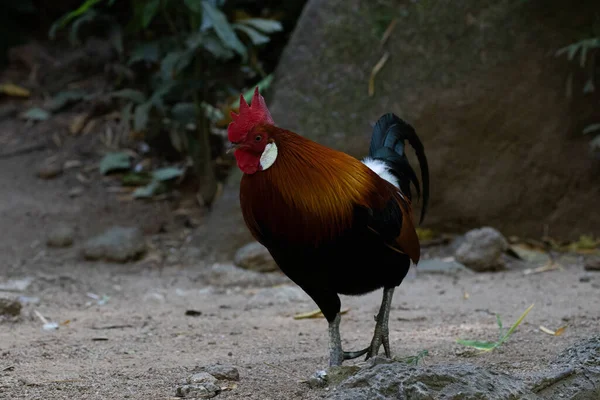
(333, 224)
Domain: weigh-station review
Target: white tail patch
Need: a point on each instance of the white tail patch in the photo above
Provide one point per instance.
(381, 169)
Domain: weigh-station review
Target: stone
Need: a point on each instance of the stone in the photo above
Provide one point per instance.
(224, 372)
(228, 275)
(283, 294)
(592, 264)
(440, 266)
(119, 244)
(49, 170)
(397, 380)
(255, 257)
(16, 285)
(198, 391)
(201, 377)
(62, 235)
(10, 307)
(573, 375)
(492, 158)
(482, 250)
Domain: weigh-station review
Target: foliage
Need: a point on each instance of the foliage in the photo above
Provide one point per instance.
(184, 54)
(502, 336)
(588, 51)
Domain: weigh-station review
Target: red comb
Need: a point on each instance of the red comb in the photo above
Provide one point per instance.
(248, 117)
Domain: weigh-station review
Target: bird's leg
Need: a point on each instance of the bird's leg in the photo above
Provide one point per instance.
(381, 335)
(336, 354)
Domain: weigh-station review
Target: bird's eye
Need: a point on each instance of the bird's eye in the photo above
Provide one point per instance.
(258, 138)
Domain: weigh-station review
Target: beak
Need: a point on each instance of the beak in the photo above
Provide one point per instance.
(232, 147)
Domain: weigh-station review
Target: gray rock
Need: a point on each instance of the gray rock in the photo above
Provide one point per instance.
(491, 165)
(222, 372)
(16, 285)
(49, 170)
(397, 380)
(482, 249)
(201, 377)
(10, 307)
(198, 391)
(440, 266)
(62, 235)
(283, 294)
(227, 275)
(574, 375)
(255, 257)
(592, 264)
(118, 244)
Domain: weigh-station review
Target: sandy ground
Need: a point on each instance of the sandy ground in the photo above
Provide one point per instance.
(140, 344)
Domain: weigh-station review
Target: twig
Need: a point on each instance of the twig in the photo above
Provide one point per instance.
(98, 328)
(388, 32)
(375, 71)
(24, 150)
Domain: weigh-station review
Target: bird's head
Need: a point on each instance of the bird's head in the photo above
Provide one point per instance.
(254, 148)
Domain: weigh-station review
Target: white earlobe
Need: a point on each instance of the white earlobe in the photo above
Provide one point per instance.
(268, 156)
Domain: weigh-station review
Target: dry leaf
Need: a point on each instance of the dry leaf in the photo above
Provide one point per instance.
(78, 123)
(72, 164)
(375, 71)
(388, 32)
(316, 314)
(557, 332)
(82, 178)
(549, 266)
(10, 89)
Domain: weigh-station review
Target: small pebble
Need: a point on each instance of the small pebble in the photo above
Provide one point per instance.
(49, 170)
(61, 235)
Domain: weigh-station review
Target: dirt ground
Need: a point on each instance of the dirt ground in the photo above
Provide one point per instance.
(139, 344)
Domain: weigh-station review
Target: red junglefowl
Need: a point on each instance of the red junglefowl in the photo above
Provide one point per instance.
(333, 224)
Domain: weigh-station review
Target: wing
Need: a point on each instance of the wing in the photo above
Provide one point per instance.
(394, 224)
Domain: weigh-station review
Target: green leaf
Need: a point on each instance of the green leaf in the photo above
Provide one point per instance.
(115, 37)
(174, 63)
(114, 162)
(591, 128)
(141, 115)
(130, 94)
(149, 12)
(499, 322)
(223, 29)
(262, 85)
(595, 143)
(479, 345)
(184, 113)
(214, 46)
(255, 36)
(89, 16)
(194, 6)
(149, 52)
(264, 25)
(64, 98)
(36, 114)
(515, 325)
(65, 19)
(136, 179)
(589, 86)
(153, 188)
(167, 173)
(212, 113)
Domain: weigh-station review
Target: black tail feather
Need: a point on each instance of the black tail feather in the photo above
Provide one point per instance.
(388, 145)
